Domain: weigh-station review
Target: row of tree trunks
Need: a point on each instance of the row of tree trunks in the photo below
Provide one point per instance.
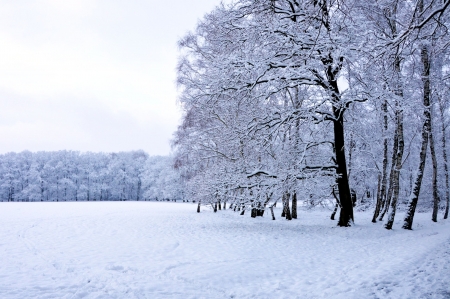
(286, 212)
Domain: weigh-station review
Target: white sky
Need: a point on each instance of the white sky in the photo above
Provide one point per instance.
(91, 75)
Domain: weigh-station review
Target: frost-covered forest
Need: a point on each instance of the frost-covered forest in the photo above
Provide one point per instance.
(75, 176)
(314, 101)
(338, 104)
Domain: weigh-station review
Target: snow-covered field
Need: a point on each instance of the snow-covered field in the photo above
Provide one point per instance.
(167, 250)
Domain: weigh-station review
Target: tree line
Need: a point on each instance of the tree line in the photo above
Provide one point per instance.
(76, 176)
(317, 100)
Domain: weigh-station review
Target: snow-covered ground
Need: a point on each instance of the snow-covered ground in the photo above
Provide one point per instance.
(167, 250)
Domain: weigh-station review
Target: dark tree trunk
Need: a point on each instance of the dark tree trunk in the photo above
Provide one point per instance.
(434, 177)
(294, 205)
(260, 210)
(287, 211)
(271, 211)
(243, 211)
(198, 207)
(334, 211)
(346, 213)
(224, 205)
(215, 207)
(332, 67)
(378, 203)
(220, 206)
(337, 203)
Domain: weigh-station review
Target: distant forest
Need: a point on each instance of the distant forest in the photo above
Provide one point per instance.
(75, 176)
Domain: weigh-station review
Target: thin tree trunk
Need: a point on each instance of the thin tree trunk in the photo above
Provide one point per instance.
(409, 216)
(399, 154)
(444, 154)
(271, 211)
(336, 206)
(387, 201)
(198, 207)
(427, 136)
(426, 132)
(350, 152)
(381, 195)
(215, 207)
(398, 167)
(220, 206)
(434, 177)
(263, 208)
(378, 203)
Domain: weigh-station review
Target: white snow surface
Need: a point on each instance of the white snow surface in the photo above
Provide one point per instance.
(167, 250)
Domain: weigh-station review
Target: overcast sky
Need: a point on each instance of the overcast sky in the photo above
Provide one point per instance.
(91, 75)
